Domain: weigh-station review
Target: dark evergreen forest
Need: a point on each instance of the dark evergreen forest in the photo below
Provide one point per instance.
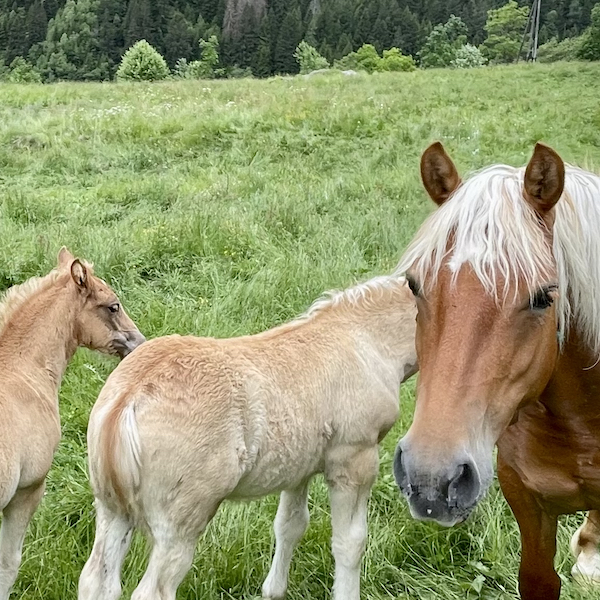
(85, 39)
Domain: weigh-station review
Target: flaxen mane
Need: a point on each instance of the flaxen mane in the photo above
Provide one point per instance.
(364, 293)
(16, 295)
(488, 225)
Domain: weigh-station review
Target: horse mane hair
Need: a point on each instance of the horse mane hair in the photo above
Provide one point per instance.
(15, 296)
(364, 293)
(488, 224)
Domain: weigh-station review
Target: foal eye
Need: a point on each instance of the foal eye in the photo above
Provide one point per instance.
(114, 308)
(541, 300)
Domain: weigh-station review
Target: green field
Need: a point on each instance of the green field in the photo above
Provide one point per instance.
(224, 208)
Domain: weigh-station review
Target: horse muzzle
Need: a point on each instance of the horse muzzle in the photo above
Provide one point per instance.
(446, 495)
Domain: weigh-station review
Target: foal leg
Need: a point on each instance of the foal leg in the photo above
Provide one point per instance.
(537, 578)
(584, 546)
(101, 575)
(170, 560)
(350, 476)
(174, 543)
(16, 516)
(290, 524)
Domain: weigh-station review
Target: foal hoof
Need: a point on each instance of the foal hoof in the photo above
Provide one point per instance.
(586, 570)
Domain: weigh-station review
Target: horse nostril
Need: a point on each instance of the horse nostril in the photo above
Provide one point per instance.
(400, 472)
(463, 488)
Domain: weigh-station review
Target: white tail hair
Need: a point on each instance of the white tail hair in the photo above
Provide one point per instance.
(115, 451)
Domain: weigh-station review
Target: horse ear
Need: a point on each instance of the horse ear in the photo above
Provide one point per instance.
(544, 179)
(79, 274)
(64, 258)
(438, 173)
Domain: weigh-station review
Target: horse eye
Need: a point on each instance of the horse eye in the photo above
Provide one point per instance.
(541, 300)
(413, 286)
(114, 308)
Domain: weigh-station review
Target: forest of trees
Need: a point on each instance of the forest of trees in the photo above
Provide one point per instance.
(85, 39)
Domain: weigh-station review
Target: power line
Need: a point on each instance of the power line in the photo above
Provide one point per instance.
(532, 32)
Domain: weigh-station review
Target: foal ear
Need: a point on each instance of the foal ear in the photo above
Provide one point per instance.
(79, 274)
(544, 179)
(64, 258)
(438, 173)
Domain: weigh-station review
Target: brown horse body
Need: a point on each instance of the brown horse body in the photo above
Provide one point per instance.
(506, 276)
(549, 464)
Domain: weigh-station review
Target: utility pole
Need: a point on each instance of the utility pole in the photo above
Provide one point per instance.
(532, 32)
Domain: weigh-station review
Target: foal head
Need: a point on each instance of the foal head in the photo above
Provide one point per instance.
(486, 283)
(101, 323)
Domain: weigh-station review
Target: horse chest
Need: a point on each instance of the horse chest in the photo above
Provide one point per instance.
(559, 464)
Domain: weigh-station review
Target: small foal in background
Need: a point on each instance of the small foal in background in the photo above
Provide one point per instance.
(188, 422)
(42, 322)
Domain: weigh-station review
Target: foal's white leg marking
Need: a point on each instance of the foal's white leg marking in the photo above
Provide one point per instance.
(290, 524)
(584, 546)
(16, 517)
(101, 575)
(170, 560)
(349, 492)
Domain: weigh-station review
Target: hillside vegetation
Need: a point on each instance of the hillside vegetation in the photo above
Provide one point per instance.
(85, 39)
(225, 208)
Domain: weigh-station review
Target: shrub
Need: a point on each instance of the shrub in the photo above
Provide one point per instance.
(309, 58)
(590, 40)
(347, 62)
(468, 57)
(443, 42)
(181, 68)
(394, 60)
(23, 72)
(553, 50)
(206, 67)
(142, 63)
(504, 27)
(368, 59)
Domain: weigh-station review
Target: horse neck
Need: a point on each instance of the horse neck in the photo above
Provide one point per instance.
(40, 335)
(386, 317)
(572, 390)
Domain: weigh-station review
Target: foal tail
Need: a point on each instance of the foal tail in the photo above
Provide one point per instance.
(114, 455)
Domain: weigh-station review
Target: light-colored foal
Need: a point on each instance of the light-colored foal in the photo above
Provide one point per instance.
(42, 322)
(186, 423)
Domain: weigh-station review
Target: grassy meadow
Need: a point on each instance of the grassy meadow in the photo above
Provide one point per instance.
(222, 208)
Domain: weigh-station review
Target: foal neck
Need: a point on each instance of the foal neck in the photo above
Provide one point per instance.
(39, 331)
(382, 308)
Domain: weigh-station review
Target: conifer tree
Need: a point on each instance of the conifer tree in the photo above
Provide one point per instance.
(261, 62)
(111, 15)
(71, 49)
(138, 23)
(290, 35)
(37, 24)
(179, 38)
(16, 34)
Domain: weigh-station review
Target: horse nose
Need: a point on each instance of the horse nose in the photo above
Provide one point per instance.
(463, 488)
(136, 339)
(133, 339)
(426, 509)
(442, 494)
(400, 474)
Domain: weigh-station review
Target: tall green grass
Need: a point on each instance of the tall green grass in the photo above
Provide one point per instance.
(224, 208)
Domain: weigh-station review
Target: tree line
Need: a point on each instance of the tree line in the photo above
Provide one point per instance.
(85, 39)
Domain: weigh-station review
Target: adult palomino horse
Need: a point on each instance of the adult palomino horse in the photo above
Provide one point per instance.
(42, 322)
(506, 273)
(188, 422)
